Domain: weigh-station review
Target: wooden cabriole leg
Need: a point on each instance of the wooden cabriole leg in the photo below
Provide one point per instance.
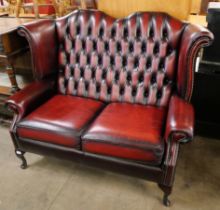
(18, 8)
(19, 152)
(167, 191)
(20, 155)
(170, 161)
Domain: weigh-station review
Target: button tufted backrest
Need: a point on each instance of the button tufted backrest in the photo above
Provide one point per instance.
(130, 60)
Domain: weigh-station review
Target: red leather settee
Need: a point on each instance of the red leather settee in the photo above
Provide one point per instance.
(108, 92)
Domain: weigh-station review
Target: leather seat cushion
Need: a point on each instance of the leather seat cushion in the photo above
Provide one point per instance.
(127, 131)
(61, 120)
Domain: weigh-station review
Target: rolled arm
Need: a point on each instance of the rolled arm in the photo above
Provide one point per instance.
(29, 98)
(41, 36)
(180, 120)
(193, 39)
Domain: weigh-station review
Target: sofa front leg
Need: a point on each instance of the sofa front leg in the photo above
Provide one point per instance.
(20, 155)
(167, 191)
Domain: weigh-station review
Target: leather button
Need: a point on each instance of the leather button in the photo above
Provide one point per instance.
(83, 44)
(106, 46)
(131, 47)
(165, 33)
(94, 45)
(113, 32)
(138, 32)
(104, 73)
(101, 32)
(109, 90)
(99, 60)
(124, 61)
(112, 60)
(71, 71)
(76, 85)
(161, 65)
(118, 46)
(67, 29)
(159, 94)
(93, 72)
(73, 43)
(136, 62)
(77, 58)
(134, 91)
(125, 33)
(86, 85)
(98, 88)
(122, 90)
(81, 72)
(153, 79)
(141, 77)
(128, 77)
(78, 29)
(149, 63)
(151, 33)
(166, 80)
(146, 93)
(169, 50)
(156, 48)
(116, 76)
(143, 47)
(88, 59)
(89, 32)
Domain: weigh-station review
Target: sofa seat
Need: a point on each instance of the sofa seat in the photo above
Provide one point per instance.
(61, 120)
(127, 131)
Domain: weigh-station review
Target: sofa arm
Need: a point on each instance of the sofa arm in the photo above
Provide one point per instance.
(180, 120)
(29, 98)
(42, 39)
(193, 39)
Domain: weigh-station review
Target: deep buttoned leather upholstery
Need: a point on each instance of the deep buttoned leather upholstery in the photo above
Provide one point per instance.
(130, 60)
(100, 60)
(60, 120)
(127, 131)
(112, 92)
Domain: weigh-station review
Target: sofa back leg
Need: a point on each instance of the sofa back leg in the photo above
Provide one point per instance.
(20, 155)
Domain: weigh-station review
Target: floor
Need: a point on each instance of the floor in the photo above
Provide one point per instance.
(52, 184)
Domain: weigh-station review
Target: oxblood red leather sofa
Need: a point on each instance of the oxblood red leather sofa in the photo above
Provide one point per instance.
(113, 93)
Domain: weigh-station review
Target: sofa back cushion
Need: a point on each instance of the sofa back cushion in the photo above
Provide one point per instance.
(130, 60)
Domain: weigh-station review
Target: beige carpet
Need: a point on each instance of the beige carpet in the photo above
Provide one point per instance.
(51, 184)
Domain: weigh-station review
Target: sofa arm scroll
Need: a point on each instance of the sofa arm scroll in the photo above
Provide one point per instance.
(180, 120)
(194, 38)
(29, 98)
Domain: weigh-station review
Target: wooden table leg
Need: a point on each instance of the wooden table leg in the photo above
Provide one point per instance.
(11, 74)
(18, 8)
(36, 12)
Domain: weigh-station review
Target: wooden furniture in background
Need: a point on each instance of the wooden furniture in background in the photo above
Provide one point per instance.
(63, 7)
(198, 19)
(204, 6)
(32, 5)
(122, 8)
(12, 46)
(4, 6)
(195, 6)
